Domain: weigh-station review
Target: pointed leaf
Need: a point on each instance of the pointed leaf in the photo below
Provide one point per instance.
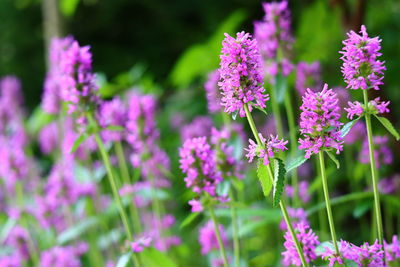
(389, 126)
(260, 109)
(234, 115)
(124, 259)
(78, 142)
(279, 180)
(189, 219)
(347, 127)
(334, 159)
(11, 222)
(265, 180)
(296, 162)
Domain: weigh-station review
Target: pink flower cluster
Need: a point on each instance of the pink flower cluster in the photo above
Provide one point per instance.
(67, 256)
(319, 122)
(241, 74)
(375, 106)
(271, 146)
(273, 34)
(361, 68)
(208, 239)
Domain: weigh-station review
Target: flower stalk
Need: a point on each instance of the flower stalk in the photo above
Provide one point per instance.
(218, 235)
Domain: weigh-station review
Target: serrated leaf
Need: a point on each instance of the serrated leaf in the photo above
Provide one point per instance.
(295, 163)
(389, 126)
(333, 158)
(279, 180)
(260, 109)
(265, 180)
(115, 128)
(78, 142)
(347, 127)
(189, 219)
(124, 259)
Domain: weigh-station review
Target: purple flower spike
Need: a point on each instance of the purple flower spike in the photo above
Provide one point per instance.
(272, 145)
(375, 106)
(308, 241)
(361, 68)
(241, 74)
(319, 122)
(140, 244)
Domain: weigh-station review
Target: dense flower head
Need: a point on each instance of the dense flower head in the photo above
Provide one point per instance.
(364, 255)
(112, 113)
(270, 147)
(198, 162)
(382, 152)
(319, 122)
(392, 250)
(241, 74)
(361, 68)
(212, 92)
(13, 260)
(67, 256)
(51, 98)
(14, 163)
(199, 126)
(308, 75)
(375, 106)
(308, 241)
(208, 239)
(18, 239)
(77, 81)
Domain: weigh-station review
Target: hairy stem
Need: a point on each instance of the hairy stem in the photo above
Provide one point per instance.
(327, 201)
(218, 234)
(374, 173)
(281, 203)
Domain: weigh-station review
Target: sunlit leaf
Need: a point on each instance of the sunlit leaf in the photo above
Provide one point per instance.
(347, 127)
(279, 180)
(389, 126)
(334, 159)
(154, 258)
(68, 7)
(78, 142)
(124, 259)
(189, 219)
(265, 180)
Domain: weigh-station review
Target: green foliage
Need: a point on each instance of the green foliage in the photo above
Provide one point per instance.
(279, 180)
(152, 258)
(68, 7)
(77, 230)
(333, 158)
(296, 162)
(280, 87)
(202, 58)
(189, 219)
(389, 126)
(263, 177)
(124, 259)
(78, 141)
(347, 127)
(38, 120)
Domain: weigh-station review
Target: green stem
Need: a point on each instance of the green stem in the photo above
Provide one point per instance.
(327, 201)
(236, 245)
(31, 246)
(125, 177)
(281, 203)
(218, 234)
(374, 173)
(293, 146)
(277, 112)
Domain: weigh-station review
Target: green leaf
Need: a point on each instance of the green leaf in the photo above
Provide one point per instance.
(115, 128)
(78, 142)
(347, 127)
(189, 219)
(68, 7)
(154, 258)
(124, 259)
(333, 158)
(77, 230)
(38, 120)
(260, 109)
(279, 180)
(295, 163)
(6, 229)
(265, 180)
(223, 188)
(280, 87)
(234, 115)
(361, 209)
(389, 126)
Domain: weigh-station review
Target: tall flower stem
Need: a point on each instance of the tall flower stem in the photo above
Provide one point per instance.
(374, 173)
(236, 245)
(276, 110)
(328, 201)
(281, 203)
(218, 234)
(117, 197)
(125, 177)
(293, 147)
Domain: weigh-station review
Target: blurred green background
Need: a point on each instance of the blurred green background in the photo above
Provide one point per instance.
(172, 44)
